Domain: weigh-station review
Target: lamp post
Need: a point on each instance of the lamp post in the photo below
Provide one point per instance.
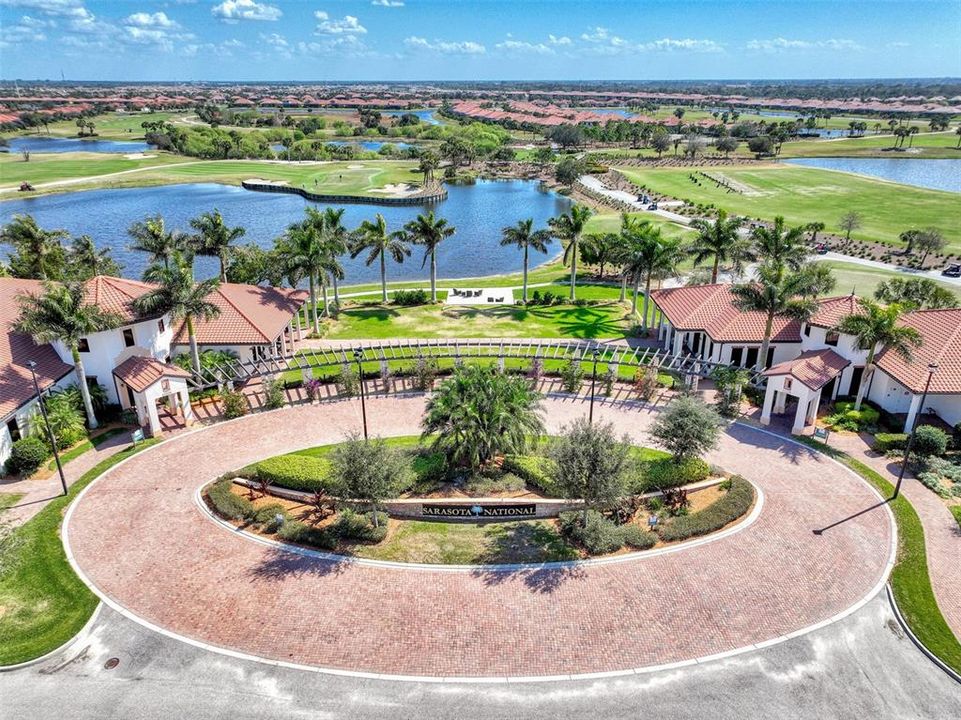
(932, 367)
(43, 409)
(596, 353)
(359, 356)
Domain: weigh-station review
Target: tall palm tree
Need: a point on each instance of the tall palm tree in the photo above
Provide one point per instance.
(814, 228)
(178, 295)
(86, 261)
(39, 253)
(151, 236)
(600, 249)
(779, 247)
(568, 228)
(875, 325)
(215, 238)
(372, 235)
(304, 255)
(336, 239)
(776, 294)
(523, 236)
(651, 255)
(718, 241)
(62, 313)
(430, 232)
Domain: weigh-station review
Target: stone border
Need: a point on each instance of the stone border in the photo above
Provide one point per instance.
(422, 198)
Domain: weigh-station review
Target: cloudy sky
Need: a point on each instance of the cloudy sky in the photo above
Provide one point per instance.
(477, 39)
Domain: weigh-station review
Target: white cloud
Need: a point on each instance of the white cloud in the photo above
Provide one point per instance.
(523, 47)
(28, 30)
(152, 29)
(387, 3)
(562, 40)
(143, 19)
(466, 47)
(233, 10)
(687, 44)
(348, 25)
(780, 44)
(57, 8)
(223, 50)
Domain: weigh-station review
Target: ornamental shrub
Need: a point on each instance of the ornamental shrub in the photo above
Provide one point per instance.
(715, 516)
(26, 455)
(591, 463)
(297, 532)
(687, 428)
(572, 376)
(266, 515)
(636, 537)
(596, 533)
(348, 381)
(664, 473)
(425, 372)
(295, 472)
(274, 396)
(227, 503)
(536, 470)
(888, 442)
(845, 417)
(408, 298)
(429, 467)
(930, 441)
(235, 404)
(352, 525)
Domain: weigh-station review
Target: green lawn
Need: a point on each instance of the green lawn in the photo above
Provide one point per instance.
(51, 167)
(863, 280)
(925, 145)
(804, 195)
(956, 511)
(110, 126)
(44, 603)
(611, 223)
(8, 500)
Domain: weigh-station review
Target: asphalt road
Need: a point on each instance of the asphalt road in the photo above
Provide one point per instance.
(860, 667)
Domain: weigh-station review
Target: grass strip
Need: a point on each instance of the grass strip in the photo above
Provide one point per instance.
(909, 579)
(956, 511)
(45, 603)
(88, 444)
(8, 500)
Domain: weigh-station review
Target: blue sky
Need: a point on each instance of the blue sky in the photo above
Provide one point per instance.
(477, 40)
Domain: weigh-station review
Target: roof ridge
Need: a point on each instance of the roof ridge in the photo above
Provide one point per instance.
(240, 312)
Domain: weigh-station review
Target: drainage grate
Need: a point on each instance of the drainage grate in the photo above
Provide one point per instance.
(111, 663)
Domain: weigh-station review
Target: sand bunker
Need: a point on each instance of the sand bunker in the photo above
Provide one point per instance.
(397, 189)
(355, 167)
(138, 156)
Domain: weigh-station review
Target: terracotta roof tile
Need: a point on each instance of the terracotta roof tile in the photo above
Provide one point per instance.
(249, 315)
(834, 309)
(814, 368)
(941, 343)
(116, 295)
(142, 372)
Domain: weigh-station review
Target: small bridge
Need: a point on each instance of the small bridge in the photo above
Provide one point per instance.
(332, 358)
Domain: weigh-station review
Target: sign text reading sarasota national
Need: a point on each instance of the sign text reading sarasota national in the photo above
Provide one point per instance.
(480, 511)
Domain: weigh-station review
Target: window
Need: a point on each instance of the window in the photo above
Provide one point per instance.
(807, 330)
(128, 337)
(737, 356)
(831, 339)
(160, 325)
(13, 429)
(83, 345)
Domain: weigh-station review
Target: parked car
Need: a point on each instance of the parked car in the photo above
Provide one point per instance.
(953, 270)
(821, 249)
(652, 206)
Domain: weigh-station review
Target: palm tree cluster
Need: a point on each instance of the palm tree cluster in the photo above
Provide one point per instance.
(41, 254)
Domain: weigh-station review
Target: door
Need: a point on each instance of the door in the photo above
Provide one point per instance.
(737, 356)
(856, 375)
(770, 358)
(751, 359)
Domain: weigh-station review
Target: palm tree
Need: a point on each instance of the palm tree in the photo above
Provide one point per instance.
(876, 325)
(523, 236)
(372, 235)
(178, 295)
(600, 249)
(780, 248)
(430, 232)
(150, 235)
(814, 228)
(335, 238)
(215, 238)
(39, 253)
(62, 314)
(569, 227)
(776, 294)
(86, 261)
(304, 255)
(718, 240)
(650, 254)
(428, 163)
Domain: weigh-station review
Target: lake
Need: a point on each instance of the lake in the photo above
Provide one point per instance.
(478, 211)
(374, 145)
(64, 145)
(931, 174)
(426, 116)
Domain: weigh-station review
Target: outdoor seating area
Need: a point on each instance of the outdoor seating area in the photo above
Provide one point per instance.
(480, 296)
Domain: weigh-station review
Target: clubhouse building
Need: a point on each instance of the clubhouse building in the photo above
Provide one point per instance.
(809, 362)
(133, 362)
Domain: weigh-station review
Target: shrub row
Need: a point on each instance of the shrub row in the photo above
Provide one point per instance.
(887, 442)
(664, 473)
(535, 470)
(737, 500)
(600, 535)
(227, 504)
(352, 525)
(845, 417)
(294, 472)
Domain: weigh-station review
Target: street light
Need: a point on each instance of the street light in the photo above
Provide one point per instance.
(907, 451)
(43, 409)
(596, 352)
(359, 356)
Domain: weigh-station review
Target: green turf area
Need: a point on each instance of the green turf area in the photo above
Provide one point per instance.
(956, 511)
(863, 280)
(611, 223)
(44, 602)
(85, 445)
(8, 500)
(804, 195)
(909, 579)
(53, 167)
(925, 145)
(109, 126)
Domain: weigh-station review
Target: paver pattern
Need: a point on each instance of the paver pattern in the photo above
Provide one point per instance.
(140, 539)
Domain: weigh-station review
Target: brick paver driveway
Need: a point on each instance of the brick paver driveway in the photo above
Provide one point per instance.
(141, 541)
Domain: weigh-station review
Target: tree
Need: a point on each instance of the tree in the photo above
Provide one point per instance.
(568, 170)
(430, 232)
(303, 256)
(776, 293)
(368, 470)
(429, 161)
(481, 412)
(215, 238)
(591, 464)
(850, 222)
(687, 428)
(61, 313)
(660, 142)
(957, 131)
(873, 326)
(921, 293)
(679, 113)
(780, 247)
(568, 228)
(151, 236)
(647, 254)
(524, 237)
(178, 295)
(568, 136)
(929, 240)
(761, 145)
(335, 239)
(719, 241)
(727, 145)
(85, 261)
(600, 249)
(909, 237)
(814, 228)
(373, 236)
(37, 254)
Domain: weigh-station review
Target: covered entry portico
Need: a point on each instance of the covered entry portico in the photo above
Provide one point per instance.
(804, 378)
(142, 382)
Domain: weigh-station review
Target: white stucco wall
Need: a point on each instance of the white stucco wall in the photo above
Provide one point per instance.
(947, 407)
(889, 394)
(23, 415)
(846, 347)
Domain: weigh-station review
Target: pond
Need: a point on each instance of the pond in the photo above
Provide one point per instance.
(931, 174)
(65, 145)
(478, 211)
(426, 116)
(374, 145)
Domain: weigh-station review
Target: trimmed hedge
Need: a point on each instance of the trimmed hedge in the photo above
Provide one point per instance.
(536, 470)
(886, 442)
(297, 532)
(228, 504)
(600, 535)
(26, 455)
(353, 525)
(667, 472)
(956, 511)
(734, 504)
(294, 472)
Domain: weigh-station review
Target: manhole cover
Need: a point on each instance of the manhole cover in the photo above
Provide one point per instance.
(111, 663)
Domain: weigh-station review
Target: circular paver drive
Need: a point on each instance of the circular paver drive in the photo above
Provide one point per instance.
(142, 543)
